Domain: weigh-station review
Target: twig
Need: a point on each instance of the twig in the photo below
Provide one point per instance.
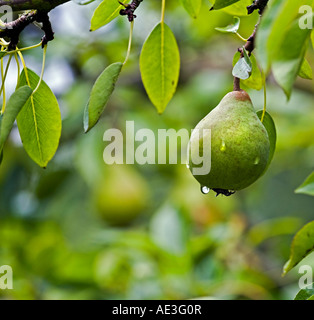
(13, 29)
(42, 5)
(130, 9)
(250, 43)
(48, 36)
(257, 4)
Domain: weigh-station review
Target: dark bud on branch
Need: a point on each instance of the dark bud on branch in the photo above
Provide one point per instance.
(259, 5)
(130, 9)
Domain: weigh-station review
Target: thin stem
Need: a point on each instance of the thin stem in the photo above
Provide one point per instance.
(42, 69)
(18, 68)
(265, 96)
(24, 67)
(3, 77)
(243, 39)
(130, 43)
(24, 49)
(163, 7)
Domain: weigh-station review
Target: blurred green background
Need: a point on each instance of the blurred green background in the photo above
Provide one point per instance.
(82, 229)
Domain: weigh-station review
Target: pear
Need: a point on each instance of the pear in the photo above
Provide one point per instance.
(239, 145)
(120, 196)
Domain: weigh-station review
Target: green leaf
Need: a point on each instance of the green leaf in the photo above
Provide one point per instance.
(105, 13)
(270, 127)
(307, 187)
(289, 58)
(168, 230)
(219, 4)
(193, 7)
(243, 68)
(233, 28)
(101, 93)
(306, 70)
(39, 121)
(160, 66)
(302, 246)
(306, 293)
(255, 81)
(13, 107)
(274, 227)
(238, 8)
(272, 30)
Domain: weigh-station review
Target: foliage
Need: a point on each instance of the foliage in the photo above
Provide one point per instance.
(302, 246)
(172, 242)
(307, 187)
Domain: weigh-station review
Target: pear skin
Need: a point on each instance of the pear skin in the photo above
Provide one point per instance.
(239, 144)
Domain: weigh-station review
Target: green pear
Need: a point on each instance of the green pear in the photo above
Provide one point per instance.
(121, 195)
(238, 142)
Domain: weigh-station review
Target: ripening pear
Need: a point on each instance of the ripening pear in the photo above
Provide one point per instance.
(238, 141)
(121, 195)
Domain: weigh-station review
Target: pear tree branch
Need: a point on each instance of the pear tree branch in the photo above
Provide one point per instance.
(37, 10)
(41, 5)
(259, 5)
(250, 43)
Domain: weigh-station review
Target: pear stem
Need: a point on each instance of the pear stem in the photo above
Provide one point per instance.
(236, 84)
(250, 43)
(249, 47)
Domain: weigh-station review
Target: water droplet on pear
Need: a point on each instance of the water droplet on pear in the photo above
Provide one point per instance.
(205, 190)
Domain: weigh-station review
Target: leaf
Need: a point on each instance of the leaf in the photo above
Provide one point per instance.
(255, 81)
(273, 28)
(100, 94)
(307, 187)
(193, 7)
(233, 28)
(306, 293)
(289, 58)
(160, 66)
(273, 228)
(168, 230)
(243, 68)
(302, 246)
(14, 105)
(219, 4)
(39, 121)
(238, 8)
(306, 70)
(105, 13)
(270, 127)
